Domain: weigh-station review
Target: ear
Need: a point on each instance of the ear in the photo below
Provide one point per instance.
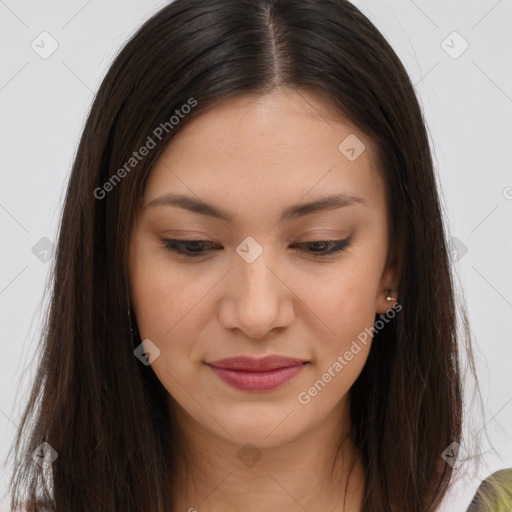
(388, 286)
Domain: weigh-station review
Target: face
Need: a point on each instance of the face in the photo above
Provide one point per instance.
(256, 273)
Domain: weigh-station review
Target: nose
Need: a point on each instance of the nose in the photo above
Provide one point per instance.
(258, 300)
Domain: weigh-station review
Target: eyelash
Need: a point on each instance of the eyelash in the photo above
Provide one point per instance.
(176, 246)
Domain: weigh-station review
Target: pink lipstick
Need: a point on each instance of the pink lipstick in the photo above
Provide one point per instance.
(257, 374)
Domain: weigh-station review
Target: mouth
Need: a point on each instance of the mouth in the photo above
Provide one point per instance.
(257, 374)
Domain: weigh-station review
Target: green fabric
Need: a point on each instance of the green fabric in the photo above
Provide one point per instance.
(494, 494)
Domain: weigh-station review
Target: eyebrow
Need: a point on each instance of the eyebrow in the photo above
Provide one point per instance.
(192, 204)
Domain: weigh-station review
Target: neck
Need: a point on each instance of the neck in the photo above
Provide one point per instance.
(319, 470)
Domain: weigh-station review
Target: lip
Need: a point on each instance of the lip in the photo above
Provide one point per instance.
(257, 374)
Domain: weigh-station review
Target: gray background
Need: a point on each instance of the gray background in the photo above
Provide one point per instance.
(466, 98)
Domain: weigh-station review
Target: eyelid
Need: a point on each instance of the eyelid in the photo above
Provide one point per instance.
(335, 247)
(322, 236)
(186, 235)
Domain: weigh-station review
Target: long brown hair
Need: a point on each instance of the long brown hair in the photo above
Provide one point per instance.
(98, 406)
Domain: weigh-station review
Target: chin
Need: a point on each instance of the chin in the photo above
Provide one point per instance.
(263, 432)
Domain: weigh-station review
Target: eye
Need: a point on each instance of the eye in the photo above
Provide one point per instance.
(325, 247)
(195, 248)
(189, 248)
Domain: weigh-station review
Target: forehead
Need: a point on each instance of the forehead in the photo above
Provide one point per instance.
(257, 152)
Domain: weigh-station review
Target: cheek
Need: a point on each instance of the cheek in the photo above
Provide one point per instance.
(165, 297)
(344, 301)
(346, 305)
(345, 298)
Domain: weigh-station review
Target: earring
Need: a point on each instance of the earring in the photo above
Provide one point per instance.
(389, 297)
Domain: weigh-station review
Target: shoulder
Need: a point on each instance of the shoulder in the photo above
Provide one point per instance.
(494, 494)
(469, 492)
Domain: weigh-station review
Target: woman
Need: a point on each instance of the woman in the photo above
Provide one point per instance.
(253, 306)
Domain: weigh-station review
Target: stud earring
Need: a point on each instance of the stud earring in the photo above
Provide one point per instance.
(389, 297)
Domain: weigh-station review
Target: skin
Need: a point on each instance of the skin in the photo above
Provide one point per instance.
(254, 156)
